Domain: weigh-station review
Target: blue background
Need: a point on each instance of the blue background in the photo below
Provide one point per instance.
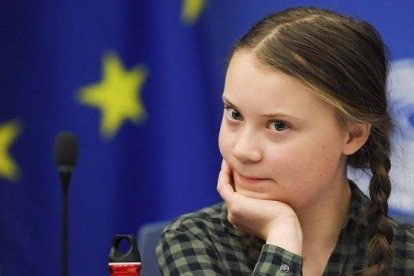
(154, 170)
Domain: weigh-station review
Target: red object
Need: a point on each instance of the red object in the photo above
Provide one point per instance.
(131, 269)
(124, 262)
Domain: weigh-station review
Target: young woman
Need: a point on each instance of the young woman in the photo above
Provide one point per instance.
(304, 98)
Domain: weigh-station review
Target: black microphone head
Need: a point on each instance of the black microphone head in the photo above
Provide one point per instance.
(66, 151)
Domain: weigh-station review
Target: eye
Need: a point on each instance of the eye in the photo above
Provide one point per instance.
(278, 126)
(232, 113)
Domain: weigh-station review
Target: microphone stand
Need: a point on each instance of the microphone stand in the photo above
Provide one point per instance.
(66, 151)
(65, 178)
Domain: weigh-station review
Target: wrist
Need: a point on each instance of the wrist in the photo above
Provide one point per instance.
(287, 235)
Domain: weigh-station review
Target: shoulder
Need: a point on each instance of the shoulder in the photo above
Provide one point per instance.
(199, 233)
(207, 220)
(403, 232)
(403, 242)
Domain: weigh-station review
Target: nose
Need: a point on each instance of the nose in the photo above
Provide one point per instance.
(247, 147)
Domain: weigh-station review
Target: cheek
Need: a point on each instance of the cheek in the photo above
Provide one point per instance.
(287, 166)
(329, 161)
(304, 164)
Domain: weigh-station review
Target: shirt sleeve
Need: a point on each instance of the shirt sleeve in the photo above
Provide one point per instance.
(184, 253)
(274, 260)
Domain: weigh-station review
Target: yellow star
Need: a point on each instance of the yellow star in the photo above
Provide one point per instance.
(8, 134)
(191, 10)
(117, 95)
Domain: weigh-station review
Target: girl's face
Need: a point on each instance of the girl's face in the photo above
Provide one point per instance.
(282, 142)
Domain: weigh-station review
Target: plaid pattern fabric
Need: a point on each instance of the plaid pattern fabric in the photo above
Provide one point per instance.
(205, 243)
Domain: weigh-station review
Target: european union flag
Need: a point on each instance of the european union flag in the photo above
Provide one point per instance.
(128, 78)
(140, 84)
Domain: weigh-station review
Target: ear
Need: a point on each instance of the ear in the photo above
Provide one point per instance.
(356, 136)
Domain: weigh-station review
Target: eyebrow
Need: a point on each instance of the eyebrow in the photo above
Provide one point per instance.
(269, 115)
(227, 102)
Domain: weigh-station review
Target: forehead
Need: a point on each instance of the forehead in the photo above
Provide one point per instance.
(251, 85)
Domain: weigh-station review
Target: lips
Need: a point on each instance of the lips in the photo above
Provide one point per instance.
(251, 179)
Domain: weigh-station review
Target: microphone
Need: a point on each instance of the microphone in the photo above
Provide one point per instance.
(66, 151)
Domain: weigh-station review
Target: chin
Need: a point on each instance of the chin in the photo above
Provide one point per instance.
(253, 194)
(263, 195)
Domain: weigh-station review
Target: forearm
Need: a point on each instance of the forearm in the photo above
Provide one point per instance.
(180, 253)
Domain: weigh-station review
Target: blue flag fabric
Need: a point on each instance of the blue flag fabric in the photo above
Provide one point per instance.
(139, 83)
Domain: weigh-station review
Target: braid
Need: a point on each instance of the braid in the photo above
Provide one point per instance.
(381, 253)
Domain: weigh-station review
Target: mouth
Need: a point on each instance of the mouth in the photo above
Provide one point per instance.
(251, 179)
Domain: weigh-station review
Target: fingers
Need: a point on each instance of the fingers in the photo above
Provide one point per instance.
(226, 191)
(234, 200)
(225, 167)
(224, 186)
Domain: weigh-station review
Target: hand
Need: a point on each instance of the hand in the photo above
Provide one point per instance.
(273, 221)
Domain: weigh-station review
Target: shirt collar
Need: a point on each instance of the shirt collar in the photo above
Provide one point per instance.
(359, 203)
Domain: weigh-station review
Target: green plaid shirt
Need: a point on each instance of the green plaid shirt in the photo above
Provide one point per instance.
(205, 243)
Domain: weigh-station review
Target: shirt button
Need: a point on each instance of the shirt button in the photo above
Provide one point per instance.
(284, 268)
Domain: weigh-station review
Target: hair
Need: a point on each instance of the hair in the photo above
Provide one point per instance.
(345, 62)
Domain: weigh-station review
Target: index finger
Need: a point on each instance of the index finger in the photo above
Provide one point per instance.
(224, 186)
